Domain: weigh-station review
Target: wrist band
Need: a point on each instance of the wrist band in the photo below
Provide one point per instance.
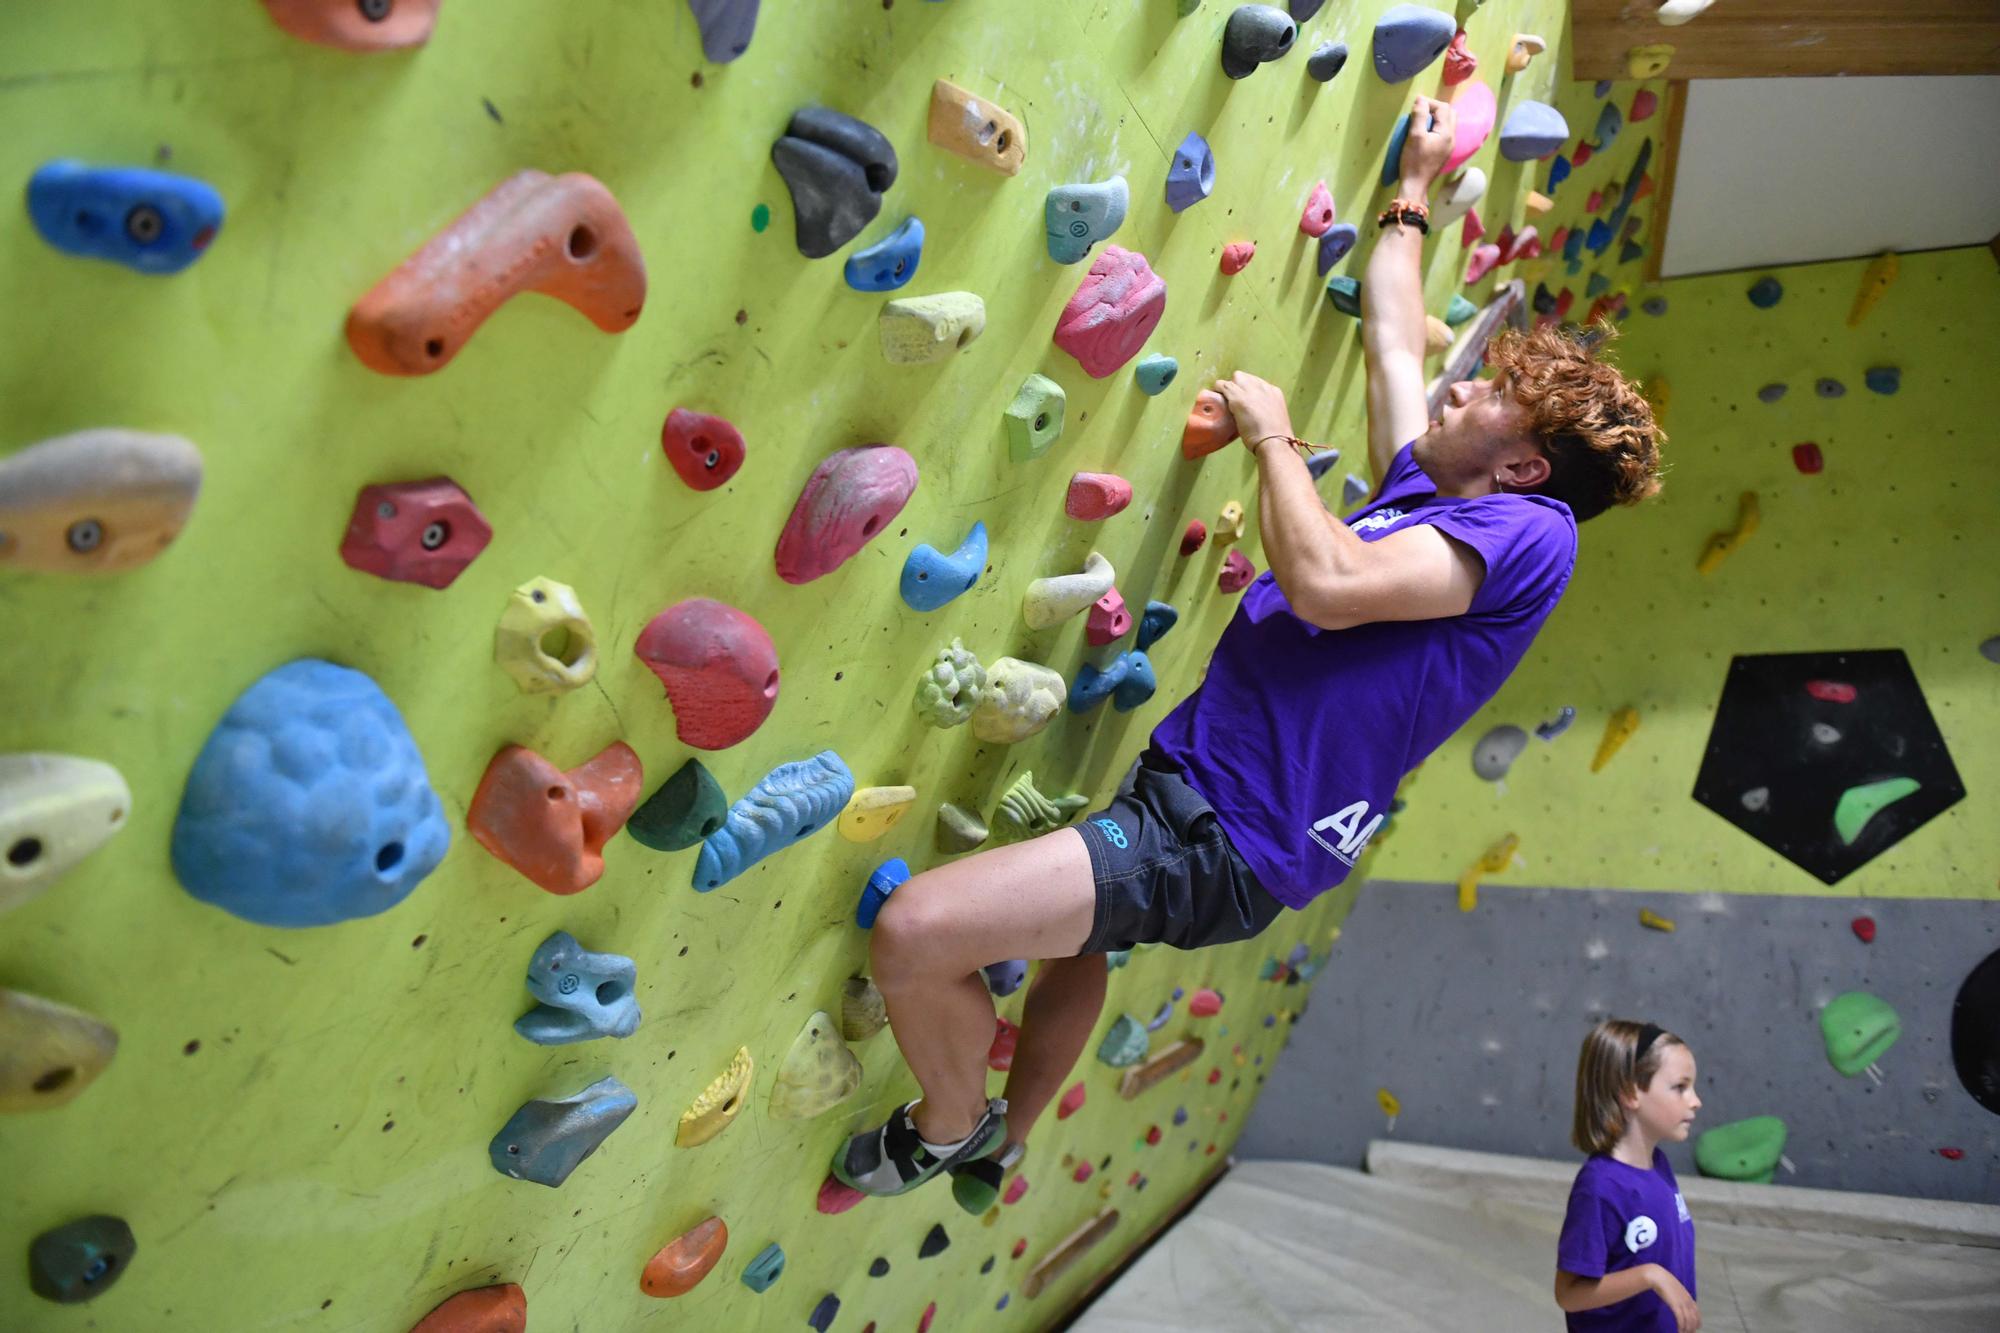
(1410, 213)
(1292, 440)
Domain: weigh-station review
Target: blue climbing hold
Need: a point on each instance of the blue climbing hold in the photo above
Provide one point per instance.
(890, 262)
(1079, 216)
(1159, 617)
(1766, 292)
(1883, 379)
(762, 1271)
(1636, 177)
(1092, 685)
(885, 880)
(1005, 978)
(1829, 388)
(1392, 160)
(1334, 245)
(1155, 373)
(932, 578)
(1532, 130)
(583, 994)
(1191, 178)
(546, 1140)
(1609, 122)
(1180, 1115)
(1600, 236)
(308, 804)
(792, 801)
(1326, 62)
(1138, 685)
(821, 1319)
(726, 26)
(1771, 393)
(1408, 38)
(149, 221)
(1558, 171)
(1602, 89)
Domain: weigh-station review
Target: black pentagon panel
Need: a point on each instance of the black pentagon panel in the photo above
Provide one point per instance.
(1828, 759)
(1975, 1033)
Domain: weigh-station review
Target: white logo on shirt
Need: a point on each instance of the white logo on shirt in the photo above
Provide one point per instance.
(1640, 1232)
(1381, 518)
(1347, 826)
(1680, 1206)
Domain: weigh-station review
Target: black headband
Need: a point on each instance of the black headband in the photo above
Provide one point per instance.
(1647, 1036)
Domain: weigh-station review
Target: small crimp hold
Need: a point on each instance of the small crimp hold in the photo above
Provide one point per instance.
(931, 579)
(873, 811)
(1035, 417)
(1210, 426)
(81, 1260)
(683, 1262)
(1159, 617)
(1236, 574)
(719, 1103)
(1191, 175)
(358, 25)
(923, 330)
(705, 450)
(1318, 214)
(423, 532)
(544, 640)
(1139, 684)
(1108, 620)
(1095, 496)
(1155, 373)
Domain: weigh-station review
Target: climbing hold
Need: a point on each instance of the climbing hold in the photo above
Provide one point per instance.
(1657, 306)
(1392, 158)
(935, 1242)
(726, 27)
(851, 496)
(1050, 601)
(1236, 256)
(863, 1012)
(1618, 729)
(1407, 39)
(817, 1074)
(1858, 1029)
(822, 1316)
(1474, 108)
(414, 531)
(1649, 60)
(1020, 699)
(1864, 929)
(705, 451)
(496, 1309)
(790, 802)
(1484, 259)
(952, 687)
(1210, 426)
(55, 809)
(1301, 10)
(1236, 574)
(1437, 335)
(931, 578)
(1533, 129)
(1204, 1003)
(1072, 1101)
(1597, 286)
(1459, 63)
(764, 1269)
(1875, 280)
(1609, 122)
(1673, 13)
(544, 640)
(686, 1260)
(1745, 1150)
(1652, 920)
(1522, 50)
(96, 501)
(975, 129)
(884, 880)
(582, 994)
(1084, 1171)
(1068, 1251)
(1829, 388)
(1832, 691)
(1191, 175)
(252, 836)
(1255, 35)
(1124, 1044)
(1094, 496)
(958, 830)
(49, 1052)
(1035, 417)
(837, 1197)
(1538, 203)
(837, 169)
(922, 330)
(719, 667)
(1644, 103)
(1166, 1012)
(1766, 292)
(1155, 373)
(1158, 1067)
(1883, 379)
(1721, 544)
(890, 262)
(873, 811)
(1000, 1054)
(1193, 536)
(547, 1139)
(1159, 617)
(1526, 245)
(717, 1106)
(1139, 684)
(1556, 725)
(879, 1268)
(549, 825)
(687, 808)
(1459, 311)
(563, 236)
(1024, 812)
(1115, 309)
(1325, 62)
(1108, 620)
(1092, 686)
(149, 221)
(80, 1260)
(1335, 245)
(1858, 805)
(1229, 523)
(1077, 217)
(1497, 750)
(1599, 237)
(1345, 294)
(1492, 861)
(1469, 235)
(1573, 243)
(1004, 978)
(1318, 214)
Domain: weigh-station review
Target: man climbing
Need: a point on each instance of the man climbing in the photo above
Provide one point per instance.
(1365, 645)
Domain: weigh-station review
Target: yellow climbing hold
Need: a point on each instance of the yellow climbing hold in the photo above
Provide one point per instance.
(1875, 280)
(719, 1102)
(1649, 61)
(1652, 920)
(1617, 731)
(1491, 862)
(817, 1074)
(1387, 1101)
(1721, 544)
(49, 1052)
(873, 811)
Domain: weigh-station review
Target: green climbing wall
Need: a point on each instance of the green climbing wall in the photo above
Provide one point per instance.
(296, 1122)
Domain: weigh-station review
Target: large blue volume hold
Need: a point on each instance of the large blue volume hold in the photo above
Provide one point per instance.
(1408, 38)
(932, 578)
(546, 1140)
(792, 801)
(1191, 178)
(583, 994)
(149, 221)
(308, 804)
(1532, 130)
(890, 262)
(891, 875)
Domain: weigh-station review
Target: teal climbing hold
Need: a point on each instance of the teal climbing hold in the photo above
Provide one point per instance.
(1858, 1029)
(1079, 216)
(1597, 286)
(1392, 161)
(1459, 310)
(1858, 805)
(760, 217)
(1345, 293)
(1609, 122)
(1153, 625)
(1746, 1150)
(1116, 958)
(762, 1271)
(687, 808)
(1766, 292)
(1155, 373)
(792, 801)
(1883, 379)
(1125, 1044)
(1138, 686)
(1573, 245)
(1630, 251)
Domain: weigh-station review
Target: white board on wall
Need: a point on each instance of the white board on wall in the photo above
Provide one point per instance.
(1788, 171)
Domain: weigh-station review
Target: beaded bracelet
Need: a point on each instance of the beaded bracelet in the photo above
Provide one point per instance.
(1410, 213)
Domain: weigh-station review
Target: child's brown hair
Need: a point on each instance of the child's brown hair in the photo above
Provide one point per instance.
(1618, 1056)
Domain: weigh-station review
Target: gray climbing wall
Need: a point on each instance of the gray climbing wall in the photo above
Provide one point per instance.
(1473, 1021)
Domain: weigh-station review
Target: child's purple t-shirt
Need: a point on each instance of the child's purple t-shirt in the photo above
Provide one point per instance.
(1620, 1217)
(1298, 736)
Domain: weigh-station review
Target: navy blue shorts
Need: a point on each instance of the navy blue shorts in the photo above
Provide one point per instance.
(1164, 869)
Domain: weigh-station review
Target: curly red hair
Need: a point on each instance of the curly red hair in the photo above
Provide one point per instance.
(1597, 429)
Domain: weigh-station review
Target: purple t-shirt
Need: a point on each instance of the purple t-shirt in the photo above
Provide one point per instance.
(1620, 1217)
(1299, 735)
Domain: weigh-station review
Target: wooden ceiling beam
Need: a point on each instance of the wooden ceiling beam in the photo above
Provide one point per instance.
(1763, 39)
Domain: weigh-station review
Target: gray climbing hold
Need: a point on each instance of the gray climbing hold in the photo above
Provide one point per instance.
(1990, 649)
(1883, 379)
(1756, 799)
(1654, 305)
(1556, 725)
(1327, 61)
(1829, 388)
(1334, 244)
(1079, 216)
(1497, 750)
(1771, 393)
(1408, 38)
(880, 1268)
(1609, 122)
(1353, 490)
(1597, 286)
(1532, 130)
(1256, 35)
(1304, 9)
(1192, 176)
(546, 1140)
(1159, 617)
(726, 27)
(1004, 979)
(837, 169)
(1766, 292)
(1322, 463)
(583, 994)
(80, 1260)
(1155, 373)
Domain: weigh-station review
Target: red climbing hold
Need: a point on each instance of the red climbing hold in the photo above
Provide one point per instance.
(1152, 1135)
(1096, 495)
(415, 532)
(1000, 1055)
(1071, 1102)
(1645, 186)
(1020, 1247)
(1083, 1172)
(837, 1197)
(719, 668)
(1015, 1189)
(1807, 458)
(1132, 1181)
(1952, 1154)
(551, 825)
(1644, 103)
(1215, 1075)
(1192, 539)
(1581, 155)
(1109, 621)
(1459, 63)
(1116, 308)
(930, 1313)
(1236, 256)
(1864, 929)
(705, 450)
(1564, 300)
(1204, 1003)
(1237, 572)
(1831, 691)
(501, 1309)
(851, 496)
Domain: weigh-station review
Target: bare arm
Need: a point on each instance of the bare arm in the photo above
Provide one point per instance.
(1392, 298)
(1576, 1294)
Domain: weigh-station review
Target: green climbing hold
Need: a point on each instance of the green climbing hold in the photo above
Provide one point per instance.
(1741, 1150)
(686, 809)
(958, 830)
(1459, 310)
(1125, 1044)
(1859, 1029)
(1025, 813)
(1860, 804)
(1116, 959)
(760, 217)
(951, 688)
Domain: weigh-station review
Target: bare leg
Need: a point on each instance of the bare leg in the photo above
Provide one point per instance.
(1062, 1008)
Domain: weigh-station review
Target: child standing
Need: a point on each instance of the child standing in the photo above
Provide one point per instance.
(1626, 1257)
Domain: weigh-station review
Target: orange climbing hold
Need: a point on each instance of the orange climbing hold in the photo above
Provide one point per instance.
(684, 1261)
(1071, 1103)
(347, 25)
(551, 825)
(1210, 426)
(1236, 256)
(500, 1309)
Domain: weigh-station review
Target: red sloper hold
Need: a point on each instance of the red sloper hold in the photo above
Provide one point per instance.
(1864, 929)
(1832, 691)
(1236, 256)
(1000, 1055)
(1317, 219)
(415, 532)
(1115, 309)
(1204, 1003)
(850, 497)
(1192, 539)
(1096, 495)
(719, 667)
(1071, 1103)
(1237, 572)
(501, 1309)
(837, 1197)
(551, 825)
(1109, 621)
(705, 450)
(1020, 1247)
(1153, 1134)
(1807, 458)
(1215, 1076)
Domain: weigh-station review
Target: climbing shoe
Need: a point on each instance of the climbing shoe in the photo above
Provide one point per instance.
(894, 1160)
(976, 1183)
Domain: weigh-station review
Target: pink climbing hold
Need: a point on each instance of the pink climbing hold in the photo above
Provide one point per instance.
(1864, 929)
(930, 1313)
(1514, 247)
(850, 497)
(1644, 103)
(1561, 235)
(1318, 215)
(1215, 1076)
(1116, 308)
(1952, 1154)
(1581, 155)
(1832, 691)
(1237, 572)
(1459, 63)
(1096, 495)
(1194, 536)
(1807, 458)
(1470, 230)
(1084, 1171)
(1564, 300)
(837, 1197)
(1484, 257)
(1109, 621)
(1015, 1189)
(706, 451)
(1236, 256)
(1594, 201)
(719, 667)
(1020, 1247)
(1000, 1055)
(1204, 1003)
(1071, 1102)
(1475, 106)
